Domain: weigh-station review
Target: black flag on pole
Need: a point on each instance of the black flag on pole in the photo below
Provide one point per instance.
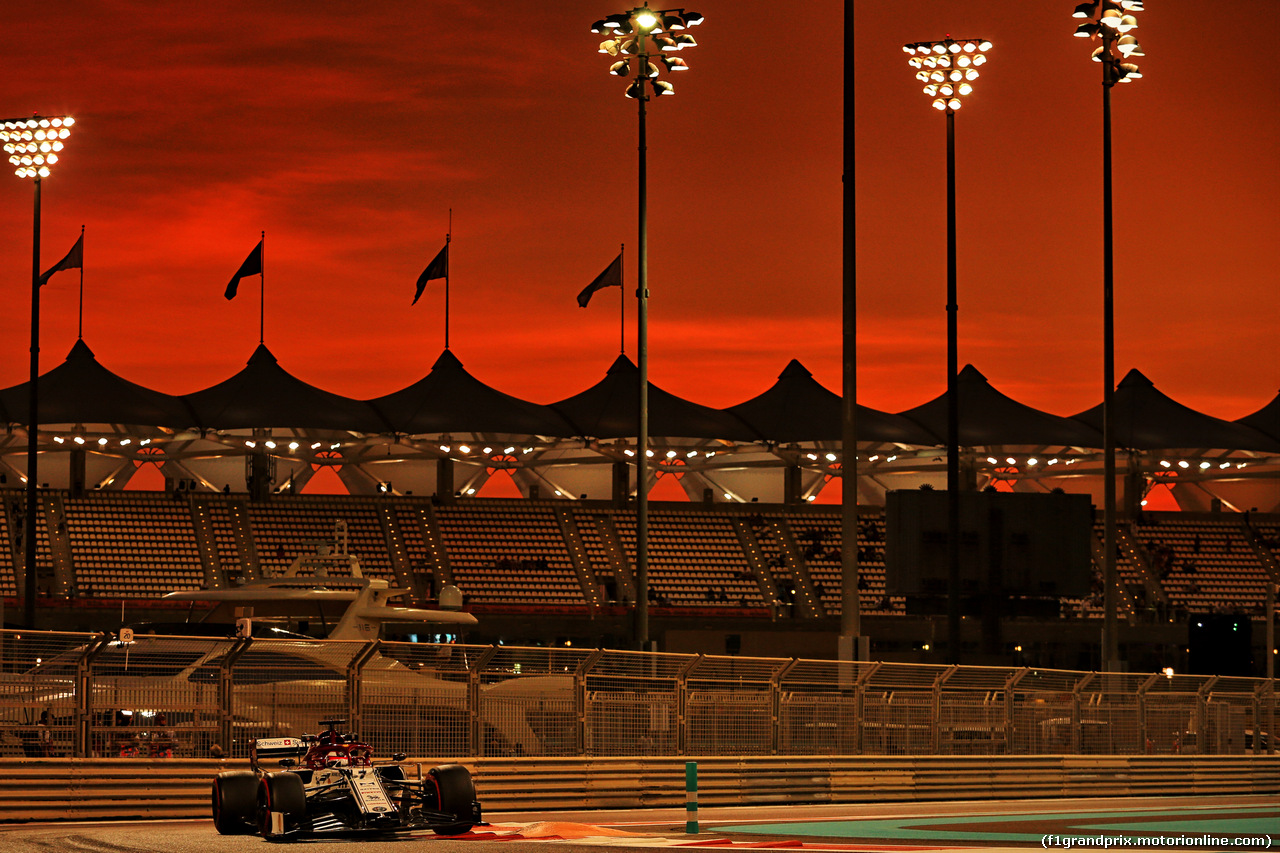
(73, 260)
(611, 277)
(438, 268)
(252, 266)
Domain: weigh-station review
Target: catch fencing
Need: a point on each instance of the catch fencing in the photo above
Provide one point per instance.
(197, 697)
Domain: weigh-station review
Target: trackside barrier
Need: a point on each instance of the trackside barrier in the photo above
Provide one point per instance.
(100, 789)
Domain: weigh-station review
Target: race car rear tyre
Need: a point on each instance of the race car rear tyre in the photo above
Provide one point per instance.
(235, 802)
(457, 793)
(279, 792)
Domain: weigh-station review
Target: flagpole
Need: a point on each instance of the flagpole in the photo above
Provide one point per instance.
(262, 288)
(80, 328)
(622, 300)
(447, 238)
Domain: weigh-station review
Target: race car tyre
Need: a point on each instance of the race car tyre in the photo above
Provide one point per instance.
(235, 802)
(457, 793)
(279, 792)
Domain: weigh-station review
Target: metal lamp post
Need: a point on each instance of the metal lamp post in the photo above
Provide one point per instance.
(33, 145)
(948, 68)
(637, 37)
(1111, 26)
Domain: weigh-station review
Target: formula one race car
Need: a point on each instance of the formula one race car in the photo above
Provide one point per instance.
(338, 792)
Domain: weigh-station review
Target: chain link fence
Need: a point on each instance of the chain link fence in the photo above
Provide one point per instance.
(91, 695)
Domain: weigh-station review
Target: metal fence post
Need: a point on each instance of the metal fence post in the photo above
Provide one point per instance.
(860, 704)
(476, 735)
(355, 692)
(682, 704)
(935, 727)
(1202, 715)
(1076, 718)
(226, 693)
(1010, 708)
(580, 700)
(1141, 703)
(81, 739)
(775, 704)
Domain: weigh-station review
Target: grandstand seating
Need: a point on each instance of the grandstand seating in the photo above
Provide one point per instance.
(131, 545)
(530, 554)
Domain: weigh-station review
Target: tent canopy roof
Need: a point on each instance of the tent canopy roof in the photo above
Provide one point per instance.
(798, 408)
(82, 391)
(265, 395)
(449, 399)
(610, 409)
(989, 418)
(1146, 419)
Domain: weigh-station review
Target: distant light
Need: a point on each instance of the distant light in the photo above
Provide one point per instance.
(293, 445)
(1168, 672)
(271, 445)
(1182, 463)
(646, 20)
(1011, 461)
(463, 448)
(509, 450)
(1033, 461)
(251, 444)
(831, 457)
(78, 439)
(102, 442)
(648, 453)
(444, 448)
(1204, 465)
(1164, 463)
(671, 454)
(58, 439)
(991, 460)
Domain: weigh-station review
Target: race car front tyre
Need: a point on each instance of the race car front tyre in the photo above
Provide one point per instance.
(457, 794)
(235, 802)
(279, 792)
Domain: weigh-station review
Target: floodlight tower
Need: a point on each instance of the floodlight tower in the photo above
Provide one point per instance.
(33, 145)
(1112, 26)
(948, 69)
(638, 37)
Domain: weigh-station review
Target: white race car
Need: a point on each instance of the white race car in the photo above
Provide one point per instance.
(338, 792)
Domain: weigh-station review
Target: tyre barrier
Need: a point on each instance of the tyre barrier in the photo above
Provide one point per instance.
(105, 789)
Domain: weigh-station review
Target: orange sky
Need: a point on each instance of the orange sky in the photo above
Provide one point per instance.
(347, 135)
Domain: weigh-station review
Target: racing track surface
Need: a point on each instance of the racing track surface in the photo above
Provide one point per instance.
(875, 828)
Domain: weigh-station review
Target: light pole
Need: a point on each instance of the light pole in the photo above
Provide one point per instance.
(637, 37)
(1112, 27)
(33, 145)
(948, 68)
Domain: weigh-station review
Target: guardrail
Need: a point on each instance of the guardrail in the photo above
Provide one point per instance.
(104, 789)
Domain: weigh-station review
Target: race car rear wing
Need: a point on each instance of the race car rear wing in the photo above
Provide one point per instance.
(275, 748)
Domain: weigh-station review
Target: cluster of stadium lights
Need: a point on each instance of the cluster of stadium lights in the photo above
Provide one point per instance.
(33, 143)
(1113, 26)
(947, 68)
(632, 34)
(269, 444)
(1030, 462)
(1203, 465)
(672, 454)
(102, 442)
